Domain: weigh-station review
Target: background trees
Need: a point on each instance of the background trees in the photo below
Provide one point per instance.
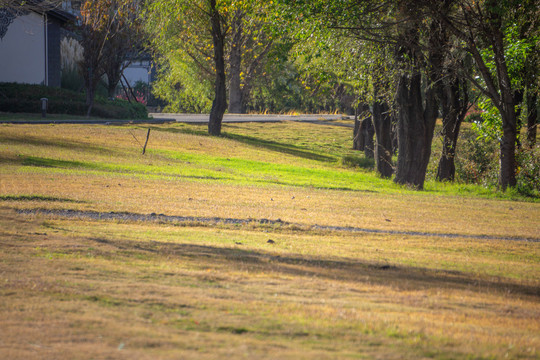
(441, 49)
(402, 64)
(109, 29)
(485, 29)
(209, 47)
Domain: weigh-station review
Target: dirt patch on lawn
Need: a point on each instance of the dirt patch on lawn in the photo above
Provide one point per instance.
(153, 217)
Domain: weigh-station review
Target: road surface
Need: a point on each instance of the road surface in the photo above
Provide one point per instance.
(160, 118)
(240, 118)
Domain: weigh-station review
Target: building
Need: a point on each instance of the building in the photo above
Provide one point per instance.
(30, 45)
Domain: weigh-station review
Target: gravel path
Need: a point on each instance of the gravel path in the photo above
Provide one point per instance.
(153, 217)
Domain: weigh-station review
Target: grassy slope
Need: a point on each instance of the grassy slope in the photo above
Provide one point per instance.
(102, 289)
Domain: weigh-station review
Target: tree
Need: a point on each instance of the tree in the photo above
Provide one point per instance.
(219, 28)
(249, 44)
(25, 5)
(126, 39)
(95, 23)
(219, 45)
(105, 30)
(481, 26)
(417, 112)
(454, 97)
(182, 32)
(335, 52)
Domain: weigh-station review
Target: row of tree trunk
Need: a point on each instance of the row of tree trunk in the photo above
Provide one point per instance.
(430, 84)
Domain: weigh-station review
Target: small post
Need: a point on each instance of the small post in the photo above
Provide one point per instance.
(146, 142)
(44, 104)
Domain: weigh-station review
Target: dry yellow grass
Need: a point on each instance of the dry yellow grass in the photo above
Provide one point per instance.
(438, 214)
(75, 289)
(81, 289)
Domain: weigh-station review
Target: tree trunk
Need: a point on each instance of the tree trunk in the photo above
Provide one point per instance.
(368, 132)
(417, 114)
(356, 132)
(235, 62)
(507, 175)
(394, 133)
(415, 130)
(90, 83)
(362, 130)
(382, 121)
(454, 107)
(113, 78)
(365, 133)
(89, 100)
(508, 164)
(532, 117)
(219, 104)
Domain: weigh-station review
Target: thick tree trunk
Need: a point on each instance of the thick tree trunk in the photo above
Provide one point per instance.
(219, 104)
(507, 174)
(454, 107)
(113, 78)
(382, 121)
(363, 131)
(236, 101)
(368, 131)
(417, 111)
(508, 164)
(532, 118)
(394, 133)
(415, 130)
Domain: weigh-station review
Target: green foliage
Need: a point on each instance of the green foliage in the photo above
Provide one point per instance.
(489, 123)
(520, 55)
(477, 161)
(26, 98)
(172, 87)
(71, 79)
(528, 171)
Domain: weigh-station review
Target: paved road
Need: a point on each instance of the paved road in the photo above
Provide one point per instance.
(237, 118)
(160, 118)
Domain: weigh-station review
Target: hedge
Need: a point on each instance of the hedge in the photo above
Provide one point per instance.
(26, 98)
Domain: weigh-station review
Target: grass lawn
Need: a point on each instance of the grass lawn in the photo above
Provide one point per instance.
(81, 288)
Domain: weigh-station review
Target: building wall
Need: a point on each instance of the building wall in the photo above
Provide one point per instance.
(22, 51)
(54, 65)
(138, 71)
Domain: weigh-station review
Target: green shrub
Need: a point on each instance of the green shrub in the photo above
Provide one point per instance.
(528, 172)
(71, 79)
(358, 161)
(478, 161)
(26, 98)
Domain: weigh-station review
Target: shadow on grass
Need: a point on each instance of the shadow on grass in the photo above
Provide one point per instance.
(68, 145)
(399, 277)
(55, 163)
(279, 147)
(250, 140)
(37, 198)
(44, 162)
